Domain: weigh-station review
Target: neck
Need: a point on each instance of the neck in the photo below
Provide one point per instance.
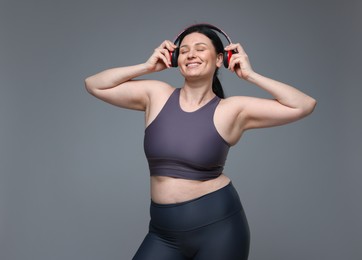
(197, 92)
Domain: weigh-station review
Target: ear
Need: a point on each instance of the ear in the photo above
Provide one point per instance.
(219, 59)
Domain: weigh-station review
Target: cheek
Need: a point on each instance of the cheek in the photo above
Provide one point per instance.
(181, 57)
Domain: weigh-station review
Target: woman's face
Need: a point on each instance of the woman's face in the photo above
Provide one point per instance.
(197, 56)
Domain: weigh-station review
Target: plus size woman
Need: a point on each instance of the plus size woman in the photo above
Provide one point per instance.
(195, 210)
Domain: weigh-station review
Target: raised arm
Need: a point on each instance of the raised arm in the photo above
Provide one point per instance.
(289, 104)
(118, 86)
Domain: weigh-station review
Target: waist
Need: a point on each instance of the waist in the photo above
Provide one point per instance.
(185, 169)
(166, 190)
(196, 213)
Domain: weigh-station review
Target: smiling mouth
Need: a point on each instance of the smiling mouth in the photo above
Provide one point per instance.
(192, 65)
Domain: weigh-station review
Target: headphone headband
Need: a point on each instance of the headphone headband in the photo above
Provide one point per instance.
(207, 25)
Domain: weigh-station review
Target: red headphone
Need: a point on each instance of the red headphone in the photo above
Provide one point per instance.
(175, 53)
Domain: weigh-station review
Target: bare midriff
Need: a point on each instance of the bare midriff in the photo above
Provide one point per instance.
(168, 190)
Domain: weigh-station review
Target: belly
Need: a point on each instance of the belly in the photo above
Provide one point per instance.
(167, 190)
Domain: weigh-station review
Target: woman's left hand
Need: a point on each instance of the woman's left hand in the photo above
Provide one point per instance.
(239, 62)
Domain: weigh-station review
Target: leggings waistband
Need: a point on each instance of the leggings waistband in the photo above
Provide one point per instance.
(196, 213)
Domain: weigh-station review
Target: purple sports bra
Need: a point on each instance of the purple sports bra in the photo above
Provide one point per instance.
(183, 144)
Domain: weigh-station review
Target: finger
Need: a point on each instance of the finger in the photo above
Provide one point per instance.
(234, 60)
(165, 57)
(166, 53)
(159, 56)
(231, 46)
(168, 45)
(235, 47)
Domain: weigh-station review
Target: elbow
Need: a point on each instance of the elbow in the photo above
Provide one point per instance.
(309, 106)
(312, 105)
(88, 85)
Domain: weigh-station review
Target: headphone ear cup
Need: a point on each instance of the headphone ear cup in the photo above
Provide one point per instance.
(174, 57)
(227, 57)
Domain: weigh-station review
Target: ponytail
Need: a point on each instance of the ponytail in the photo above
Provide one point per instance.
(217, 87)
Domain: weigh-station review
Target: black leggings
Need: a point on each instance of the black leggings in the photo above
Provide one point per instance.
(212, 227)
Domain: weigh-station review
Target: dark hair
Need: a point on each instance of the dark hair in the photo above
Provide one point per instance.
(219, 47)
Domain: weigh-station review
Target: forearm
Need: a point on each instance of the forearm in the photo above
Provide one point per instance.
(283, 93)
(113, 77)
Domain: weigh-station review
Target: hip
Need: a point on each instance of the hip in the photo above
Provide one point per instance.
(199, 212)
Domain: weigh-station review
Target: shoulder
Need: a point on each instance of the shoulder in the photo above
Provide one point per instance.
(159, 93)
(234, 103)
(157, 89)
(234, 112)
(152, 85)
(152, 89)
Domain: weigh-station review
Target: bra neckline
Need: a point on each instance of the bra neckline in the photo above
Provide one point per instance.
(194, 111)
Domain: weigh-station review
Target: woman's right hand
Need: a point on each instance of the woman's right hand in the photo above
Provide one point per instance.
(160, 58)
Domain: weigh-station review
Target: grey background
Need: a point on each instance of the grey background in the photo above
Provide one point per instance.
(73, 176)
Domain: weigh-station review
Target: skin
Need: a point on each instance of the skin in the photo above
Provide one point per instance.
(234, 115)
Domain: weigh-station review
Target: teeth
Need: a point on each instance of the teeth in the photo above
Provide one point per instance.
(192, 64)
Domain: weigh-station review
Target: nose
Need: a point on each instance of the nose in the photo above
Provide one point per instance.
(191, 54)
